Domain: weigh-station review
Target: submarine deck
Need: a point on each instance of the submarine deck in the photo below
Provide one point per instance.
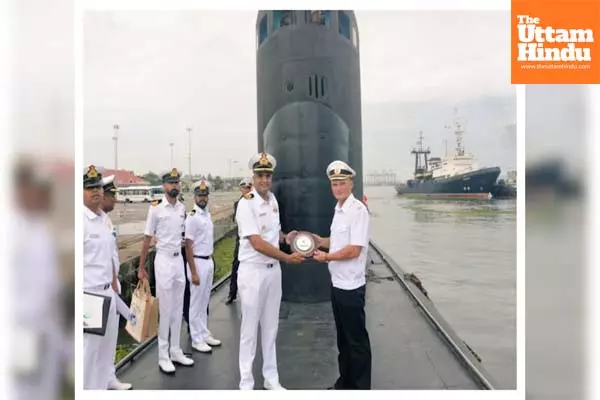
(412, 346)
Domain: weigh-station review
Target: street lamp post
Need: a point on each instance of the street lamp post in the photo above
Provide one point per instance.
(116, 145)
(189, 131)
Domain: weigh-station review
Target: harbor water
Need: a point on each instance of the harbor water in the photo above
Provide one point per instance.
(465, 254)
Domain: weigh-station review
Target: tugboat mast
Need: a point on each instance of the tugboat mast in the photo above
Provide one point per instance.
(421, 168)
(458, 132)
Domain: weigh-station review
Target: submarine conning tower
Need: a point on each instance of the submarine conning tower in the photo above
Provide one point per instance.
(309, 114)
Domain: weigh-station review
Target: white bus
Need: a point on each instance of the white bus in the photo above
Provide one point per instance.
(156, 192)
(135, 194)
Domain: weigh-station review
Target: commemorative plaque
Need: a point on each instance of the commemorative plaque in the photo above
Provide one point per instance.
(304, 243)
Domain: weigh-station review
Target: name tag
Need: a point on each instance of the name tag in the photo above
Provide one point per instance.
(94, 236)
(262, 214)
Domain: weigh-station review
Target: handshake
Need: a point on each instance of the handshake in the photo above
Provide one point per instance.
(305, 244)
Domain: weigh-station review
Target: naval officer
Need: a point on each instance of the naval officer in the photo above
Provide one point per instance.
(245, 188)
(199, 244)
(107, 205)
(259, 274)
(165, 221)
(347, 260)
(98, 278)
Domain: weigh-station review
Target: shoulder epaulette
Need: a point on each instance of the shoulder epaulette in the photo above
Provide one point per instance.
(156, 202)
(193, 212)
(249, 196)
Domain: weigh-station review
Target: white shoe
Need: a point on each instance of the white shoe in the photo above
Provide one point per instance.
(166, 366)
(202, 347)
(118, 385)
(180, 358)
(273, 386)
(211, 341)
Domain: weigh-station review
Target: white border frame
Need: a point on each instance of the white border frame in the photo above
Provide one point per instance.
(83, 5)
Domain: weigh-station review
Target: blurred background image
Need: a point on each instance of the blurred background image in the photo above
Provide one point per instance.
(42, 211)
(557, 178)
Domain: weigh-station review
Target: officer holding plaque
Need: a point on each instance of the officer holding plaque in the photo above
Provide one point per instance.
(259, 274)
(347, 261)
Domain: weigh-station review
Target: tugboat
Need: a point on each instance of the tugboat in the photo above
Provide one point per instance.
(458, 176)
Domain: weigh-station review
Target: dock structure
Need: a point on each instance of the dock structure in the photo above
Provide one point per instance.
(413, 347)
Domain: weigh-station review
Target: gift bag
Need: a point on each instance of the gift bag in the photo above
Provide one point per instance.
(145, 308)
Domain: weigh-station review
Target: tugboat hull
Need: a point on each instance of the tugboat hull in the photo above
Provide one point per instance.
(477, 184)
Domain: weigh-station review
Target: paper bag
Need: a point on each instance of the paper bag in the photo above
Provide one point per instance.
(145, 308)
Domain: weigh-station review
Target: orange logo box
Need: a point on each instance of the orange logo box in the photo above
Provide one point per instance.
(555, 41)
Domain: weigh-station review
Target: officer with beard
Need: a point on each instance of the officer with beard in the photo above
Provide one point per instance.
(165, 221)
(199, 243)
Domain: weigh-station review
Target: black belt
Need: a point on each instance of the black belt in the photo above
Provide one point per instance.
(203, 257)
(170, 253)
(100, 287)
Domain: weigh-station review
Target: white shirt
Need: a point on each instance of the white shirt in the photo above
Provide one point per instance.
(38, 279)
(113, 230)
(350, 226)
(257, 216)
(166, 222)
(199, 229)
(98, 250)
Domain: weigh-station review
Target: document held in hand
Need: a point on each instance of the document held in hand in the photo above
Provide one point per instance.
(95, 313)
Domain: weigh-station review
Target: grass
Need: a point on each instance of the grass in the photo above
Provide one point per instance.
(223, 257)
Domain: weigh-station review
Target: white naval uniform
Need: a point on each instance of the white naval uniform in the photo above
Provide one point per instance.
(38, 341)
(98, 250)
(116, 265)
(259, 286)
(350, 226)
(199, 229)
(166, 222)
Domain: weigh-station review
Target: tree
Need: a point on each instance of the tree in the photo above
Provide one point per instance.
(152, 178)
(218, 183)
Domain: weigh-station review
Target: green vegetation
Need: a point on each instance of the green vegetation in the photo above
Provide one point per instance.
(223, 257)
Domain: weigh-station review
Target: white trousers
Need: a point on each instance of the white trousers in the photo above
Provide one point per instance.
(199, 298)
(170, 286)
(113, 376)
(259, 288)
(98, 351)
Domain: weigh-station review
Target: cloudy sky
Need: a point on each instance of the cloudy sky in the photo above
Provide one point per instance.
(156, 73)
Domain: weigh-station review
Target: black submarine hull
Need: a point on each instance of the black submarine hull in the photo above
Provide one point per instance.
(308, 78)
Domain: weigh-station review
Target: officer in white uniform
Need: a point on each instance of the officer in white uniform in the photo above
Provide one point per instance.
(165, 221)
(259, 274)
(347, 258)
(199, 247)
(245, 188)
(99, 278)
(108, 204)
(40, 317)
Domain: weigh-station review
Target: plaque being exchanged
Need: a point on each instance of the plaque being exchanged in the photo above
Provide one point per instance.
(304, 243)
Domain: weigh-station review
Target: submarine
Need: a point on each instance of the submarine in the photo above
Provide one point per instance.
(309, 114)
(308, 109)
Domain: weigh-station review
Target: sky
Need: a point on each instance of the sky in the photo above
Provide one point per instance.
(157, 73)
